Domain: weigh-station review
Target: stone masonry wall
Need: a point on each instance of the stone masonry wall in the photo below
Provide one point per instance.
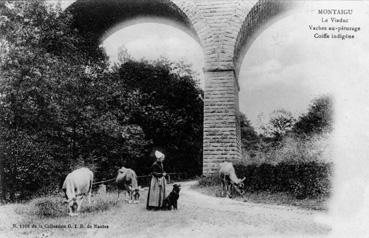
(221, 136)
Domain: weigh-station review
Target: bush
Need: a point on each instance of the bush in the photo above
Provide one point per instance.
(45, 207)
(212, 180)
(49, 207)
(303, 180)
(101, 203)
(297, 165)
(313, 180)
(55, 206)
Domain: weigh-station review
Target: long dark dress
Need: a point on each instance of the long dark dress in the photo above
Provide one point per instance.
(156, 193)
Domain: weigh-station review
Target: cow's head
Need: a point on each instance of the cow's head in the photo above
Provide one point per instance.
(122, 170)
(136, 193)
(240, 185)
(72, 203)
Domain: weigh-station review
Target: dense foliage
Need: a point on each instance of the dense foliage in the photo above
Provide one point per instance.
(303, 180)
(63, 107)
(291, 155)
(284, 136)
(318, 119)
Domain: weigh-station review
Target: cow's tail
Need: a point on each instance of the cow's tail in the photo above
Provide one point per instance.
(90, 188)
(91, 182)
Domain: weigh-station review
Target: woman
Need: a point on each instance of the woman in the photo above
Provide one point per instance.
(156, 193)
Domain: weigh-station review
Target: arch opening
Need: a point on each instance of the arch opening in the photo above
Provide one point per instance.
(152, 39)
(262, 15)
(277, 91)
(96, 18)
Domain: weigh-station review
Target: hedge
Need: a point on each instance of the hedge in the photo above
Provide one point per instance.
(303, 180)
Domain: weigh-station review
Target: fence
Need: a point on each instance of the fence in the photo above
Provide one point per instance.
(144, 180)
(171, 177)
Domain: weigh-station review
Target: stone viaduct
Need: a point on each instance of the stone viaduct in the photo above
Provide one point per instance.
(223, 28)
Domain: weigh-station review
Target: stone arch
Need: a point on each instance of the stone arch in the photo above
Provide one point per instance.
(97, 18)
(262, 14)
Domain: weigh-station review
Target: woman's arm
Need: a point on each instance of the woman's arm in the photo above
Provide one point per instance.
(157, 171)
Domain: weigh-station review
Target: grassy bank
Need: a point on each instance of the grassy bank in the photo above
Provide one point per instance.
(211, 185)
(54, 206)
(265, 197)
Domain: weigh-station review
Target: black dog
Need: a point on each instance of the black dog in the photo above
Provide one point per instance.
(172, 199)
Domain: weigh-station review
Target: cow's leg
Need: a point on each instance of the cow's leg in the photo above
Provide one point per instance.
(136, 197)
(127, 195)
(221, 192)
(89, 197)
(70, 210)
(130, 196)
(228, 189)
(79, 204)
(223, 187)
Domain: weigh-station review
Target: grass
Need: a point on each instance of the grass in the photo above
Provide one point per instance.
(54, 206)
(211, 186)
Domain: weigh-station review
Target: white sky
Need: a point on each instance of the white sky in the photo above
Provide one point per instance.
(153, 40)
(283, 68)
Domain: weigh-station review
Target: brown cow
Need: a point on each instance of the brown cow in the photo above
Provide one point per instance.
(127, 181)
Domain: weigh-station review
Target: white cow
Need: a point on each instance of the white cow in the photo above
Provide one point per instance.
(229, 178)
(127, 180)
(76, 185)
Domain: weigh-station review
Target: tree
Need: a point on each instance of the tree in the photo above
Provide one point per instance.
(280, 123)
(42, 62)
(123, 55)
(170, 111)
(249, 137)
(318, 119)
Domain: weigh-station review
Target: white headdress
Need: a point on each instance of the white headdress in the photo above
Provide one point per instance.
(158, 154)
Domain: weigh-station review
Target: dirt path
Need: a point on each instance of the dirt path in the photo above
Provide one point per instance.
(198, 215)
(240, 219)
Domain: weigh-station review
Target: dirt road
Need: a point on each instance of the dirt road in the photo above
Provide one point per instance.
(198, 215)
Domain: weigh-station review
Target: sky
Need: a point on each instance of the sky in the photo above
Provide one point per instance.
(282, 69)
(154, 40)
